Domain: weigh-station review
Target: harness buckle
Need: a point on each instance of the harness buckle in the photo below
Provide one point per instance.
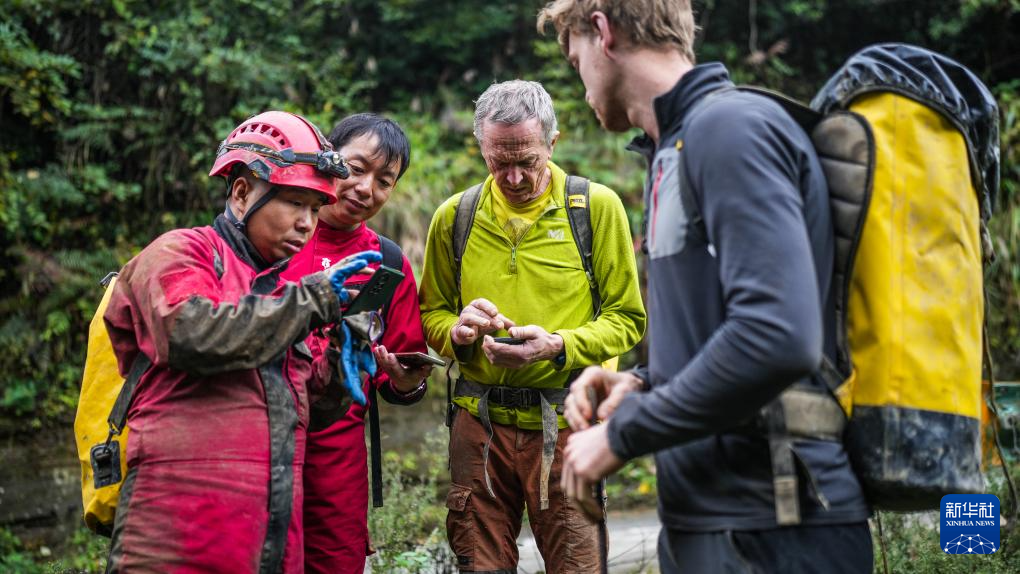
(513, 396)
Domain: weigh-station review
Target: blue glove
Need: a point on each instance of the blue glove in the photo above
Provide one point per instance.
(348, 266)
(354, 358)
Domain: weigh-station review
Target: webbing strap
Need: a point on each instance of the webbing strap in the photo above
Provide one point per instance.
(600, 493)
(118, 414)
(811, 414)
(798, 413)
(483, 415)
(517, 397)
(579, 217)
(510, 397)
(392, 257)
(550, 431)
(376, 445)
(784, 474)
(993, 409)
(463, 220)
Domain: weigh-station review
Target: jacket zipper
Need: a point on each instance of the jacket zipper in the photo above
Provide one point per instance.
(513, 246)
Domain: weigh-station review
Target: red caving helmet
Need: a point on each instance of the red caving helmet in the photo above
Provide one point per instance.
(283, 149)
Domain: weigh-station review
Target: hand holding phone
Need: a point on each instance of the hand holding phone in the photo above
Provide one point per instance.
(414, 360)
(509, 340)
(378, 291)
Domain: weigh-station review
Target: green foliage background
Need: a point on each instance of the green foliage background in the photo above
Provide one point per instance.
(110, 113)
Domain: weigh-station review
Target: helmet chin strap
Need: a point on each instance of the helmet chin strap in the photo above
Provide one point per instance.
(242, 224)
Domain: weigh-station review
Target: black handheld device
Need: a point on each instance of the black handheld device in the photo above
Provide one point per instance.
(509, 340)
(377, 291)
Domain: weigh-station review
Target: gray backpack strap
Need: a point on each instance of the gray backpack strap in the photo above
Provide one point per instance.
(579, 216)
(696, 230)
(463, 220)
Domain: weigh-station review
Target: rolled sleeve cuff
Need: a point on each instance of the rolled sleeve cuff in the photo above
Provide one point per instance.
(396, 396)
(570, 358)
(317, 284)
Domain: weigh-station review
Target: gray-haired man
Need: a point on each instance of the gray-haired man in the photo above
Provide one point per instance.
(501, 259)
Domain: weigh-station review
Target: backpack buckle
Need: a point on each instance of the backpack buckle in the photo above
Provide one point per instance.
(105, 458)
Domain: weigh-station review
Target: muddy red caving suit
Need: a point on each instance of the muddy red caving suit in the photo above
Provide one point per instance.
(336, 472)
(218, 422)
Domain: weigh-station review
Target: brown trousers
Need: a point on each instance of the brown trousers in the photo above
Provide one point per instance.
(483, 530)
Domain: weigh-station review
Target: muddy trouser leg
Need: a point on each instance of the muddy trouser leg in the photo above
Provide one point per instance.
(839, 549)
(567, 540)
(482, 528)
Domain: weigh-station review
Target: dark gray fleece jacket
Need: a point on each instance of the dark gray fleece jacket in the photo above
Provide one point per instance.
(734, 317)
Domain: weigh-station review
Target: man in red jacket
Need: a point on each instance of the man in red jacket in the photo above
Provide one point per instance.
(218, 419)
(336, 478)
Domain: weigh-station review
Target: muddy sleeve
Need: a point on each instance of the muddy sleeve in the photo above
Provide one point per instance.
(192, 324)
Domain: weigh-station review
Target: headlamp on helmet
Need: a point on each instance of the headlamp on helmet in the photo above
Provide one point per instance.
(327, 161)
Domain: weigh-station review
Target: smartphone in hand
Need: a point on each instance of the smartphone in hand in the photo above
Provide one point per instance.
(509, 340)
(377, 292)
(414, 360)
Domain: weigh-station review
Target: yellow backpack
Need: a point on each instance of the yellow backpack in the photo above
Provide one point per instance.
(920, 132)
(908, 142)
(99, 429)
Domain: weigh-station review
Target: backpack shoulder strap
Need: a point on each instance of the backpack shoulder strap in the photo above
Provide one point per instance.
(463, 220)
(579, 216)
(118, 413)
(696, 232)
(392, 255)
(845, 146)
(375, 438)
(806, 117)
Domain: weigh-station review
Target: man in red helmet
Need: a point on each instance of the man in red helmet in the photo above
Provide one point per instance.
(218, 419)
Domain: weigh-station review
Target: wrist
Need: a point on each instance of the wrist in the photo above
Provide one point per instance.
(557, 350)
(409, 389)
(634, 382)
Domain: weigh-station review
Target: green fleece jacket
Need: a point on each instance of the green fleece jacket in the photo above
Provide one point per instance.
(540, 281)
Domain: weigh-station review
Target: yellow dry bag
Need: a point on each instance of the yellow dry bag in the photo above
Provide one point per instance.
(99, 429)
(909, 145)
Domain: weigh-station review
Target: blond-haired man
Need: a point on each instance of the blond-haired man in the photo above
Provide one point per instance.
(739, 243)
